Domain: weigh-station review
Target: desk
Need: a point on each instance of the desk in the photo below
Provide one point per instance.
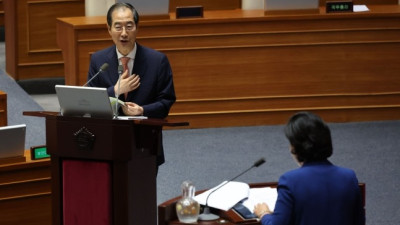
(25, 192)
(244, 68)
(167, 212)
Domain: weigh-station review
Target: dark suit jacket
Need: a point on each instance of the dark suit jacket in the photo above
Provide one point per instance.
(318, 193)
(156, 92)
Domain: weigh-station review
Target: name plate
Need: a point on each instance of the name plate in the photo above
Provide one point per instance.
(39, 152)
(339, 6)
(189, 12)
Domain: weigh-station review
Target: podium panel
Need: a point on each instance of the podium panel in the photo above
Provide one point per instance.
(86, 192)
(103, 171)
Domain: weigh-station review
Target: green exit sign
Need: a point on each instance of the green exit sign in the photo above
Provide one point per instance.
(339, 6)
(39, 152)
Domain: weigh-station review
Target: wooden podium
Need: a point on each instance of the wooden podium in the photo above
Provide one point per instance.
(103, 171)
(167, 212)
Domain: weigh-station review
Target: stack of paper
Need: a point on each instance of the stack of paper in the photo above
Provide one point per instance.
(233, 192)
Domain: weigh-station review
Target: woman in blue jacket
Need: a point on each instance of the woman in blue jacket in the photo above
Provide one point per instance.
(317, 193)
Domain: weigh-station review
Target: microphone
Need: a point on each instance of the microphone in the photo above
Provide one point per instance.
(259, 162)
(207, 215)
(120, 70)
(104, 67)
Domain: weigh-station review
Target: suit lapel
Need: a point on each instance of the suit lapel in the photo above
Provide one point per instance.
(112, 60)
(139, 66)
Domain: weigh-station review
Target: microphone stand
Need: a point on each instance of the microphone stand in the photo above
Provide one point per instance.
(120, 69)
(102, 68)
(207, 215)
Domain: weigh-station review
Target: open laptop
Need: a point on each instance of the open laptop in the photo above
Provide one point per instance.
(84, 101)
(12, 141)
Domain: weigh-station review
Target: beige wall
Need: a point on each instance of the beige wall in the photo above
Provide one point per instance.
(97, 7)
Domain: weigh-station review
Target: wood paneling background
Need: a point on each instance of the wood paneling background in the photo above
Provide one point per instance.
(25, 192)
(31, 47)
(236, 68)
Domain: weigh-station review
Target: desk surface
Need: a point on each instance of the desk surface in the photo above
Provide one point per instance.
(231, 15)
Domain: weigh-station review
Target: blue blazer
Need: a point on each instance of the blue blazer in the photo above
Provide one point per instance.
(318, 193)
(156, 92)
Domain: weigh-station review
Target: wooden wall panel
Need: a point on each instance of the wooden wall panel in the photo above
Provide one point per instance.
(34, 210)
(39, 39)
(244, 68)
(25, 192)
(31, 47)
(89, 49)
(32, 51)
(283, 70)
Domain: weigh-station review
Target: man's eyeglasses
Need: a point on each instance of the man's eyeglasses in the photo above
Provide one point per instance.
(120, 27)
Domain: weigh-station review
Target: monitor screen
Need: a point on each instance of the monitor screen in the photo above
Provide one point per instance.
(84, 101)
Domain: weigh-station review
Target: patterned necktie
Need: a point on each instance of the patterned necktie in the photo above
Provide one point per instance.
(124, 61)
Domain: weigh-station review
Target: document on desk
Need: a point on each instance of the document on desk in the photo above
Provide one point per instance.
(132, 117)
(360, 8)
(225, 197)
(259, 195)
(233, 192)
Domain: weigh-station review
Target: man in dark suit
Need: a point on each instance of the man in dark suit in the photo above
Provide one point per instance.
(146, 84)
(318, 192)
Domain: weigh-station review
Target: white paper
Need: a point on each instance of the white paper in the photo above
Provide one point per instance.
(360, 8)
(132, 117)
(260, 195)
(113, 101)
(225, 197)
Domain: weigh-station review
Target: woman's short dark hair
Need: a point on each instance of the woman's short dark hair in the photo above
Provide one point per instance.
(310, 137)
(122, 5)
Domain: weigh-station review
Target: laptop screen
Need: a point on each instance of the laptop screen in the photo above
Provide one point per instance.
(12, 141)
(84, 101)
